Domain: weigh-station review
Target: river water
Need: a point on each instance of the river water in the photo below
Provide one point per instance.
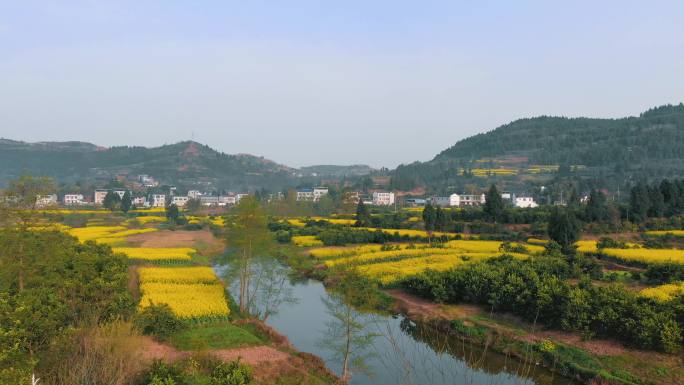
(401, 352)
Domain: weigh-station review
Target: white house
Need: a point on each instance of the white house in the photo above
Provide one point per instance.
(227, 200)
(158, 200)
(73, 199)
(525, 202)
(466, 200)
(46, 200)
(179, 200)
(440, 201)
(209, 200)
(383, 198)
(305, 194)
(139, 201)
(319, 192)
(194, 194)
(99, 196)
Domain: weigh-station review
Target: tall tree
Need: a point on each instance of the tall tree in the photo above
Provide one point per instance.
(639, 202)
(494, 206)
(429, 218)
(172, 212)
(126, 202)
(657, 206)
(111, 201)
(440, 219)
(564, 228)
(597, 207)
(247, 237)
(363, 216)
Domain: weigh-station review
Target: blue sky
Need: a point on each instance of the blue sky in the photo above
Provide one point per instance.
(322, 82)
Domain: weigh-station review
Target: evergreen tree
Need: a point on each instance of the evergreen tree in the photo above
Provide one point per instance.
(597, 207)
(493, 207)
(564, 229)
(172, 212)
(639, 202)
(126, 202)
(363, 216)
(670, 193)
(429, 218)
(111, 201)
(657, 206)
(440, 219)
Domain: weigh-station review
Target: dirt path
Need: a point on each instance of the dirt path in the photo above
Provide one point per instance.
(255, 355)
(203, 240)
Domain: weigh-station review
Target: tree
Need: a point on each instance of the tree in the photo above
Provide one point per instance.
(597, 207)
(193, 205)
(440, 219)
(172, 212)
(493, 207)
(247, 237)
(564, 229)
(639, 202)
(126, 202)
(429, 218)
(111, 201)
(657, 206)
(363, 216)
(347, 337)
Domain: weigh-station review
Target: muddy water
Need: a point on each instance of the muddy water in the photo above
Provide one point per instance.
(401, 351)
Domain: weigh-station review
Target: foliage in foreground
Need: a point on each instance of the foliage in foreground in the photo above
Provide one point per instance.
(537, 290)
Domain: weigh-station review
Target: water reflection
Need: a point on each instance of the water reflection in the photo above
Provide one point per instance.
(402, 352)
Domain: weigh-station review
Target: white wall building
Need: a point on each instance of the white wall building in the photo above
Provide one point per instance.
(46, 200)
(179, 200)
(383, 198)
(99, 196)
(158, 200)
(194, 194)
(440, 201)
(139, 201)
(120, 193)
(209, 200)
(319, 192)
(466, 200)
(227, 200)
(525, 202)
(73, 199)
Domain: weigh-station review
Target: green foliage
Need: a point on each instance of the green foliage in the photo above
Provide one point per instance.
(126, 202)
(537, 290)
(223, 335)
(429, 218)
(172, 212)
(564, 229)
(363, 216)
(164, 374)
(159, 321)
(493, 207)
(610, 243)
(112, 201)
(231, 373)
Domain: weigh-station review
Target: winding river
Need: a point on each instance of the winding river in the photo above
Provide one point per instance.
(401, 351)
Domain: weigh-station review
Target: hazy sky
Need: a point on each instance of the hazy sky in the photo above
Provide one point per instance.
(327, 82)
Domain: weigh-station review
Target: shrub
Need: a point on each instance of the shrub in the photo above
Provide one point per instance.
(231, 373)
(163, 374)
(158, 321)
(610, 243)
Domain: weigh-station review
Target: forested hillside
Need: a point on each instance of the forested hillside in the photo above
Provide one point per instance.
(648, 146)
(184, 164)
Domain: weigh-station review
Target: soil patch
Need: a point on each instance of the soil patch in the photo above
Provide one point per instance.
(416, 307)
(202, 240)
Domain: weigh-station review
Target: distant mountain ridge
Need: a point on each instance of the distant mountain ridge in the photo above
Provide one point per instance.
(185, 163)
(650, 145)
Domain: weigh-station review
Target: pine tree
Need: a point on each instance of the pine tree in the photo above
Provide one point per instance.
(639, 202)
(597, 207)
(363, 217)
(564, 228)
(126, 202)
(429, 218)
(494, 206)
(111, 201)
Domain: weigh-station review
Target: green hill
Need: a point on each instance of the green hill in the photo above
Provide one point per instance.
(532, 150)
(184, 164)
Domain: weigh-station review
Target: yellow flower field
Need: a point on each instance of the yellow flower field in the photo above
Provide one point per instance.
(296, 222)
(647, 255)
(409, 232)
(98, 233)
(188, 291)
(390, 272)
(664, 293)
(148, 219)
(157, 254)
(306, 241)
(660, 233)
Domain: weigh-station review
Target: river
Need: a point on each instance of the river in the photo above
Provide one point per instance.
(401, 352)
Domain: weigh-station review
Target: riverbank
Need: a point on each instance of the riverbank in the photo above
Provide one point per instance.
(568, 354)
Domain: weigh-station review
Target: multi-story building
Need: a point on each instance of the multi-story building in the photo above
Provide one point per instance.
(466, 199)
(99, 196)
(158, 200)
(311, 194)
(194, 194)
(179, 200)
(440, 201)
(227, 200)
(525, 202)
(46, 200)
(383, 198)
(209, 200)
(73, 199)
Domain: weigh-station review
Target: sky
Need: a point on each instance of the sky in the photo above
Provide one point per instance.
(327, 82)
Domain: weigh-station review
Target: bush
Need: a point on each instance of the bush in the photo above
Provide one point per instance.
(231, 373)
(158, 321)
(163, 374)
(610, 243)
